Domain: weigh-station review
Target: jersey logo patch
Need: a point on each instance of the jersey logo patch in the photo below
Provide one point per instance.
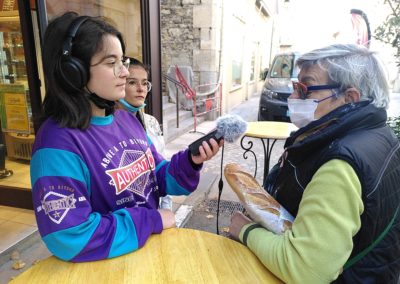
(57, 205)
(133, 172)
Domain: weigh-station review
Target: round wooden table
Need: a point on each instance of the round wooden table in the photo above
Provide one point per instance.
(174, 256)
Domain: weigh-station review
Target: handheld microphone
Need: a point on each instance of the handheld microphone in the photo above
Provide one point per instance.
(229, 127)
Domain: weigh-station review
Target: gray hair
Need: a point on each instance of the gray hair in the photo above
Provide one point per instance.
(351, 65)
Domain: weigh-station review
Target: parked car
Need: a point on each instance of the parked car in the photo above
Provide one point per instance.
(278, 87)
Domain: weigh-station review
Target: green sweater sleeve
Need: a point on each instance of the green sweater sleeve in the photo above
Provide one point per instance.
(320, 241)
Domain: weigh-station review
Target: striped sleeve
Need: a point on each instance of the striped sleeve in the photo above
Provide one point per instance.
(66, 221)
(177, 176)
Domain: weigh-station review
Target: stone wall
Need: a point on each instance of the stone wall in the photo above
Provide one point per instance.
(190, 36)
(178, 38)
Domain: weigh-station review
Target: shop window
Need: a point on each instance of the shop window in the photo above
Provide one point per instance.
(17, 132)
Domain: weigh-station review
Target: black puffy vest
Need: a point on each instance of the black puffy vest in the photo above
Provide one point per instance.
(358, 134)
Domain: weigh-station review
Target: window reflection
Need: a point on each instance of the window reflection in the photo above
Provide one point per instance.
(124, 13)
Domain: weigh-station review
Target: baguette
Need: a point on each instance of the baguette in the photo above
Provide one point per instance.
(260, 205)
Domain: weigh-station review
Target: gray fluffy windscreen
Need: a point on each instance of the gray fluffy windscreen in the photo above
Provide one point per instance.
(231, 127)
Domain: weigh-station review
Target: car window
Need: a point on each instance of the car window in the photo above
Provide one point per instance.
(283, 66)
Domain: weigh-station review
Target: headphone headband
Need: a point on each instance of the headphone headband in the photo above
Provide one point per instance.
(72, 72)
(72, 30)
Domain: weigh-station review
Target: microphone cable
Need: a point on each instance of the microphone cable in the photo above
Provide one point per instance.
(220, 186)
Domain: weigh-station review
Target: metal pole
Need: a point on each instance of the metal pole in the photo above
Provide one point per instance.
(177, 106)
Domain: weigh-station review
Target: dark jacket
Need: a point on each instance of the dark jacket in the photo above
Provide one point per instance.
(358, 134)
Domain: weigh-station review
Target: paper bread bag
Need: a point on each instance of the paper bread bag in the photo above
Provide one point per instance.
(260, 205)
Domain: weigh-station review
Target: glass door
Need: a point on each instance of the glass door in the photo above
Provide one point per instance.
(17, 133)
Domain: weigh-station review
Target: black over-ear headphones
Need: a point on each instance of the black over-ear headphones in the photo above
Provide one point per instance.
(71, 71)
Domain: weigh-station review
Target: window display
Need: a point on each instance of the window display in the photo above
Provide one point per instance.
(17, 133)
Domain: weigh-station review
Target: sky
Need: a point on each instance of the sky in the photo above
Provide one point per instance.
(313, 22)
(310, 24)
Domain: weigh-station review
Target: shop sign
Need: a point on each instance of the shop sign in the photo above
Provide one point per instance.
(14, 109)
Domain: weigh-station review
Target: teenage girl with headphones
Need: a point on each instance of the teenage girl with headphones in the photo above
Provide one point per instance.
(96, 177)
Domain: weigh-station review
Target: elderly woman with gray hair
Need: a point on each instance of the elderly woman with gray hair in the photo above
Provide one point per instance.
(339, 176)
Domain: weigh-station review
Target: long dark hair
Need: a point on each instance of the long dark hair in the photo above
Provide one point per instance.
(72, 109)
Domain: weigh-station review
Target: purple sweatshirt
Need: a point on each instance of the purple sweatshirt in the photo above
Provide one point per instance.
(96, 192)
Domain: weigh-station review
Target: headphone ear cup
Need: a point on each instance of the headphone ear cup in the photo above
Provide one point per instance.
(73, 74)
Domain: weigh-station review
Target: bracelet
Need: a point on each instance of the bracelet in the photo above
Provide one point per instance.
(246, 233)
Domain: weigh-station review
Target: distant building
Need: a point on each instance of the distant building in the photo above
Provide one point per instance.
(227, 41)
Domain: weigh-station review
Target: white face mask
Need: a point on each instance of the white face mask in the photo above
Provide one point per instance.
(301, 112)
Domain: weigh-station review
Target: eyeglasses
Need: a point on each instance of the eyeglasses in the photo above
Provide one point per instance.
(136, 83)
(304, 91)
(117, 65)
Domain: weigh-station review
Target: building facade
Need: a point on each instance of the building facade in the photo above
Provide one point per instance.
(226, 42)
(222, 41)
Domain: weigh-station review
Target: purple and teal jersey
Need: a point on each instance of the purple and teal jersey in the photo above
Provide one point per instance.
(96, 192)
